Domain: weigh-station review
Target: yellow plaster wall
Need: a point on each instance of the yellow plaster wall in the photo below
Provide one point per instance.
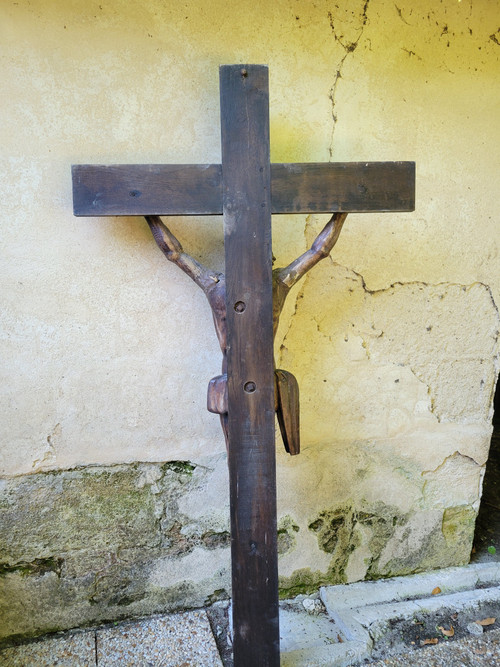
(107, 349)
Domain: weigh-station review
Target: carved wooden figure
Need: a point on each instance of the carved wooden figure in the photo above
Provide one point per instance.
(213, 284)
(247, 189)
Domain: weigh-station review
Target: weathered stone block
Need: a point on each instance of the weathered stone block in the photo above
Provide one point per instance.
(101, 543)
(106, 348)
(406, 375)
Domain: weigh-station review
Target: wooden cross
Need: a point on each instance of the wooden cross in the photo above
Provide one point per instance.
(247, 189)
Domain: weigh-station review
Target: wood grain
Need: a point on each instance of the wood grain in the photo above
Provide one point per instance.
(247, 190)
(147, 189)
(287, 410)
(246, 197)
(190, 189)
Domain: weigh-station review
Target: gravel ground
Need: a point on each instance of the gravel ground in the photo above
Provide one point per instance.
(186, 639)
(170, 641)
(174, 640)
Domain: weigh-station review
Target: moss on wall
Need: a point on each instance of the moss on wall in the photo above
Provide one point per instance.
(94, 544)
(107, 347)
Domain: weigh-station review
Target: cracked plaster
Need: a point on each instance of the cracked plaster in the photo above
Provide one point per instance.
(107, 350)
(88, 545)
(419, 427)
(347, 25)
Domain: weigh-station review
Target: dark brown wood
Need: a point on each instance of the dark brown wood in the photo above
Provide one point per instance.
(169, 189)
(287, 409)
(246, 197)
(247, 189)
(213, 284)
(355, 187)
(147, 189)
(217, 395)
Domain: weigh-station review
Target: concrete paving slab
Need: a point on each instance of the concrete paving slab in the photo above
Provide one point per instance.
(338, 655)
(177, 640)
(381, 610)
(300, 630)
(359, 622)
(317, 638)
(449, 580)
(379, 619)
(72, 650)
(481, 651)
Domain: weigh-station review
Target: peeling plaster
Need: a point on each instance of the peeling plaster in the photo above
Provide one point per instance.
(429, 362)
(48, 457)
(390, 386)
(456, 481)
(447, 459)
(469, 360)
(430, 373)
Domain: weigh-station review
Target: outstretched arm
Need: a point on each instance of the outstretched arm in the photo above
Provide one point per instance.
(173, 251)
(320, 249)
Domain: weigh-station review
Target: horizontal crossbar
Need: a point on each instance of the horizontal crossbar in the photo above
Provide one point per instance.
(191, 189)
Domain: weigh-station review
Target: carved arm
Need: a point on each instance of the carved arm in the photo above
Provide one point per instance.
(321, 248)
(173, 251)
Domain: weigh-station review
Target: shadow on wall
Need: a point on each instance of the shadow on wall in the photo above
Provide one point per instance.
(487, 532)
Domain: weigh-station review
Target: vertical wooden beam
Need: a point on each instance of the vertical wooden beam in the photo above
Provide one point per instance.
(246, 200)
